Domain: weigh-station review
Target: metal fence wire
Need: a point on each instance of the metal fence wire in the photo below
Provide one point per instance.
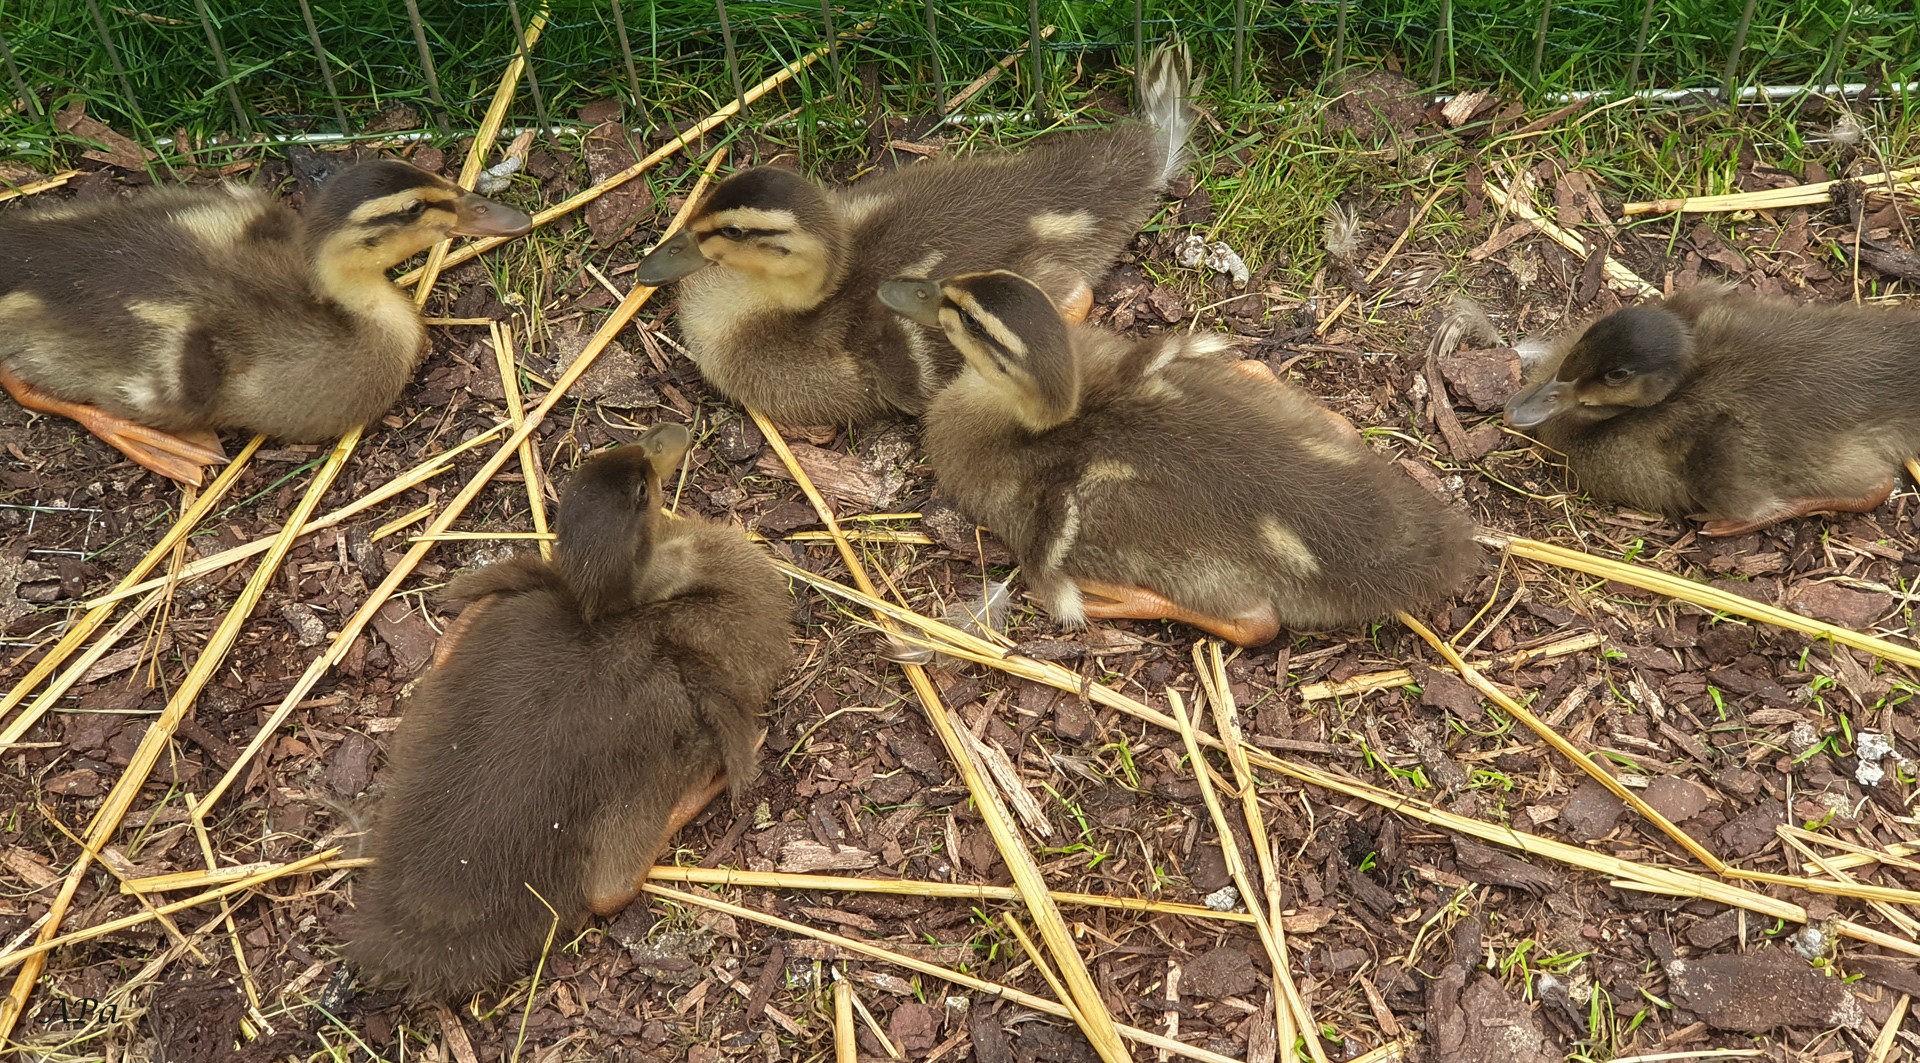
(234, 67)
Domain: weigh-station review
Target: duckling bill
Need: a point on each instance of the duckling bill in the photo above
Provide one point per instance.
(1148, 479)
(777, 275)
(158, 320)
(1737, 410)
(577, 715)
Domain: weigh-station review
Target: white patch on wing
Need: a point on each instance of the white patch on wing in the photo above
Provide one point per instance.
(217, 225)
(1064, 540)
(1107, 471)
(1288, 547)
(1062, 226)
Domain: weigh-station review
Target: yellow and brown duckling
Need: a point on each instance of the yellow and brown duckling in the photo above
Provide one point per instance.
(1737, 410)
(158, 320)
(777, 274)
(577, 714)
(1148, 479)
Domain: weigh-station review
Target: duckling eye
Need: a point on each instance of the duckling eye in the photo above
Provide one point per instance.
(974, 328)
(733, 232)
(416, 208)
(1618, 376)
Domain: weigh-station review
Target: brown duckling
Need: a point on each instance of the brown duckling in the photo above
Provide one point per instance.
(156, 321)
(577, 714)
(1737, 410)
(777, 274)
(1148, 479)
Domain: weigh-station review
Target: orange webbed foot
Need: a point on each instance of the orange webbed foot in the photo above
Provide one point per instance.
(606, 899)
(177, 457)
(1789, 508)
(1109, 601)
(1077, 305)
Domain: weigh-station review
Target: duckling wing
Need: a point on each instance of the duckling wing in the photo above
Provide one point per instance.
(1215, 492)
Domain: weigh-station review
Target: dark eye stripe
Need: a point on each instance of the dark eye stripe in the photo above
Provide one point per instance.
(406, 217)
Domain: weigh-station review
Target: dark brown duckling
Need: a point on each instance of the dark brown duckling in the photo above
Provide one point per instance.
(577, 715)
(156, 321)
(1149, 479)
(1737, 410)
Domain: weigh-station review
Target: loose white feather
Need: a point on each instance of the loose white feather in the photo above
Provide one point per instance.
(1166, 79)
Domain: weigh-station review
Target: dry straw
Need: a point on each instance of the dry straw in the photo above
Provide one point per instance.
(1819, 192)
(98, 612)
(1619, 277)
(160, 731)
(978, 985)
(1291, 1007)
(1695, 593)
(1091, 1010)
(701, 128)
(437, 465)
(1399, 677)
(1648, 877)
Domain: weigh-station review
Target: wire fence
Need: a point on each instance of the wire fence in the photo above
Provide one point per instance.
(231, 68)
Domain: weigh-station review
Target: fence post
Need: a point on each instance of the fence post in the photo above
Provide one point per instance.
(1443, 42)
(939, 75)
(526, 69)
(626, 54)
(1640, 47)
(326, 70)
(1540, 42)
(426, 63)
(1733, 56)
(113, 57)
(19, 83)
(1039, 62)
(220, 64)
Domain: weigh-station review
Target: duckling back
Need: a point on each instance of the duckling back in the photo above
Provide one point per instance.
(1774, 405)
(1184, 477)
(546, 759)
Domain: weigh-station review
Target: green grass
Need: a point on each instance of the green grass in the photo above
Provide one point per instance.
(681, 71)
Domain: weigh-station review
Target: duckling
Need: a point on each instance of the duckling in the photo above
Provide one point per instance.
(1737, 410)
(1148, 479)
(777, 274)
(158, 320)
(578, 714)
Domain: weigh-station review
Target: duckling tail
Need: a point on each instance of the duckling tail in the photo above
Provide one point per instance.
(1166, 80)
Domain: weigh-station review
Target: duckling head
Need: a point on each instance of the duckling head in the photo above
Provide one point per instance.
(378, 214)
(1630, 358)
(1010, 333)
(771, 227)
(611, 523)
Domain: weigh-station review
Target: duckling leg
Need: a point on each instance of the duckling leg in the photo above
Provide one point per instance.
(614, 878)
(1789, 508)
(177, 457)
(1076, 306)
(1110, 601)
